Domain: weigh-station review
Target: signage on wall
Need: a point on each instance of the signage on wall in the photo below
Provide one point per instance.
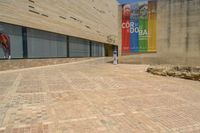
(139, 27)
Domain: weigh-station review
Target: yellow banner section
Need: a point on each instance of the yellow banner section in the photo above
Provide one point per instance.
(152, 26)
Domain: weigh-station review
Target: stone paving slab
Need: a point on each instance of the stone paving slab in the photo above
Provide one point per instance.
(97, 97)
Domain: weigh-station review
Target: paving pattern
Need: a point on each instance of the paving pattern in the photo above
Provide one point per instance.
(97, 97)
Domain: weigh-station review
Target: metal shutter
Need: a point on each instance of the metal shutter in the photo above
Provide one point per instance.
(43, 44)
(97, 49)
(79, 47)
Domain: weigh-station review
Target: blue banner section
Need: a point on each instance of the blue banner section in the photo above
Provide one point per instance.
(134, 27)
(130, 1)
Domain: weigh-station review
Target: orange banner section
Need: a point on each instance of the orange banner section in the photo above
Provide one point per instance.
(152, 26)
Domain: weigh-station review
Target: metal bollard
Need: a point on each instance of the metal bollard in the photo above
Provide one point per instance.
(115, 58)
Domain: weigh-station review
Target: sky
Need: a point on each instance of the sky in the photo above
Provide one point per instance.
(128, 1)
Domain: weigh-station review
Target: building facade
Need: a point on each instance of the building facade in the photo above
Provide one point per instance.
(50, 29)
(166, 33)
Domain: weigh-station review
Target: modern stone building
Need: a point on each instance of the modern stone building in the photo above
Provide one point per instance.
(177, 34)
(64, 28)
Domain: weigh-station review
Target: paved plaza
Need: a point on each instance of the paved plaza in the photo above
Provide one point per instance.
(93, 96)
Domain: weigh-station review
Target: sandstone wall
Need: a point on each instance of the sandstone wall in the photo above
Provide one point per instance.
(178, 34)
(90, 19)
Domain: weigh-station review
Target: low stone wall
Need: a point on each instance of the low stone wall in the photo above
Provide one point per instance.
(191, 73)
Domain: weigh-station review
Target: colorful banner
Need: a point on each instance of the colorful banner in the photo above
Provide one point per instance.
(139, 27)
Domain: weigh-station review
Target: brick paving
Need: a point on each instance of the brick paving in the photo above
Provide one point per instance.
(97, 97)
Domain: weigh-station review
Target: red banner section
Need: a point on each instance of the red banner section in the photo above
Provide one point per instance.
(126, 29)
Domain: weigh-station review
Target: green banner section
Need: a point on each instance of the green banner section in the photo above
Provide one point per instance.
(143, 24)
(143, 35)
